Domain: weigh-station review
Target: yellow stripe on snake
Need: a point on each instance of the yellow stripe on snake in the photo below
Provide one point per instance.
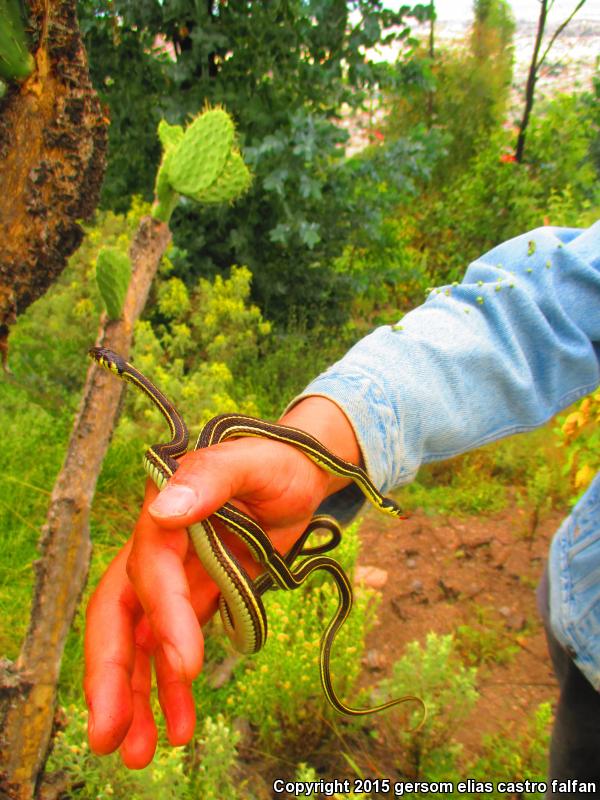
(240, 603)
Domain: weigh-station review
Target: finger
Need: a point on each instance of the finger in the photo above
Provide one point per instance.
(205, 480)
(176, 700)
(156, 569)
(112, 614)
(139, 745)
(271, 480)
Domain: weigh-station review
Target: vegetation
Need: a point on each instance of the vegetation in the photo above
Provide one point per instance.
(16, 61)
(253, 300)
(578, 435)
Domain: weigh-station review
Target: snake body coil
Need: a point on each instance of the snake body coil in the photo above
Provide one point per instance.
(240, 604)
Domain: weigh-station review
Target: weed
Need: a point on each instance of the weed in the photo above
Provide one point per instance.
(279, 688)
(434, 673)
(484, 639)
(516, 758)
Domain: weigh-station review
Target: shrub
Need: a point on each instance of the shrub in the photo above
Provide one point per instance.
(516, 758)
(579, 437)
(434, 673)
(279, 688)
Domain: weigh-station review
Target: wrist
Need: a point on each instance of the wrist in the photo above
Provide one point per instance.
(325, 420)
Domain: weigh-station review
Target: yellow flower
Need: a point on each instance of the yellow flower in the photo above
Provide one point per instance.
(585, 406)
(583, 476)
(572, 422)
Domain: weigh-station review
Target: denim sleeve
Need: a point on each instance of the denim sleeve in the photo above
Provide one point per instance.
(499, 353)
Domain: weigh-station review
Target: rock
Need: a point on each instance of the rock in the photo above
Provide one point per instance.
(372, 577)
(222, 672)
(374, 660)
(396, 606)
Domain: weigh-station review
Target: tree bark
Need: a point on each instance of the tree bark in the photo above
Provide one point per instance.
(535, 66)
(28, 689)
(531, 81)
(52, 160)
(430, 93)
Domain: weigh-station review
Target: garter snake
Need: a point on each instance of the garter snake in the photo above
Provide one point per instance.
(240, 603)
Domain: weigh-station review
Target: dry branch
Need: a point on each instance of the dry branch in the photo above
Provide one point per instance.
(28, 703)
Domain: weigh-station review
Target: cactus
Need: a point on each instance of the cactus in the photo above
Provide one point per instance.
(201, 163)
(166, 198)
(113, 273)
(170, 135)
(16, 62)
(202, 153)
(233, 181)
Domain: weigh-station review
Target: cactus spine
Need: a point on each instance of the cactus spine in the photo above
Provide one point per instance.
(16, 62)
(201, 163)
(113, 273)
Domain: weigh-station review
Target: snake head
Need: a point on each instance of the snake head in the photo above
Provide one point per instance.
(108, 359)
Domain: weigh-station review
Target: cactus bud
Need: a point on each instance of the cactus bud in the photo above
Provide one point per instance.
(113, 273)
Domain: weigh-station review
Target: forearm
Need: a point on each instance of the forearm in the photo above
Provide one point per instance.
(325, 420)
(499, 353)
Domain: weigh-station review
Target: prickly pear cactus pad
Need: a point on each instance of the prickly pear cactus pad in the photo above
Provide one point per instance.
(201, 163)
(16, 62)
(233, 180)
(113, 273)
(170, 135)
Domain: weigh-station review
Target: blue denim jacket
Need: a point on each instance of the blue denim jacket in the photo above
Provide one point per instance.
(499, 353)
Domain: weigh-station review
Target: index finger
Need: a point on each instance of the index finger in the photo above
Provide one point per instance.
(159, 567)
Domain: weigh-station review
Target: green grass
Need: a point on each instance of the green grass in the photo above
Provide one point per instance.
(484, 480)
(31, 455)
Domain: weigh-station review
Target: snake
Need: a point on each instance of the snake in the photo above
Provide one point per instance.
(240, 602)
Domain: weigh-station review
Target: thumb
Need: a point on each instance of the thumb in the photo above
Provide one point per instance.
(204, 481)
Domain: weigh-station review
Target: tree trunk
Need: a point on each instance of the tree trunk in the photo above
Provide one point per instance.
(28, 689)
(531, 81)
(431, 92)
(52, 160)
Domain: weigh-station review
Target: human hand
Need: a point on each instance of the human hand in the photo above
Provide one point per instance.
(155, 596)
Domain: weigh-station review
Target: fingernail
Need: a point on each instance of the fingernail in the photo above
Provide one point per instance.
(174, 501)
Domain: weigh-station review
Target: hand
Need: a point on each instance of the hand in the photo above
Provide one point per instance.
(155, 596)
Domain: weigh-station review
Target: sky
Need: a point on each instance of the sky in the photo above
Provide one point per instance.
(522, 9)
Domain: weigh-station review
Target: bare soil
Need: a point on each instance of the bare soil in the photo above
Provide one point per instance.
(441, 572)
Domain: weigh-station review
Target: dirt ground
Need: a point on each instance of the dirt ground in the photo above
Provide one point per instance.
(436, 574)
(441, 571)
